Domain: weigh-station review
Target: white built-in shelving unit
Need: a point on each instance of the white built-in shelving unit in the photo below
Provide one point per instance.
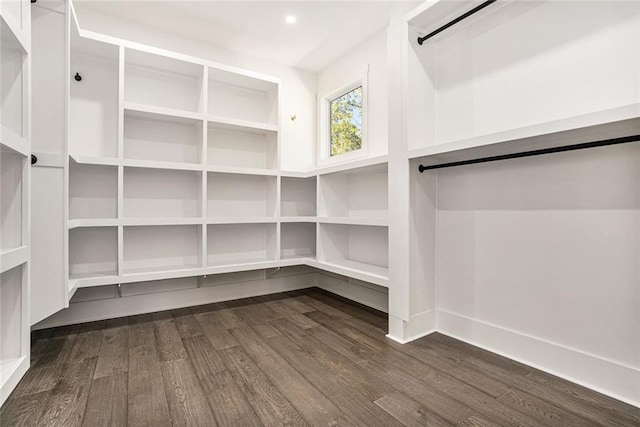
(353, 217)
(15, 151)
(181, 176)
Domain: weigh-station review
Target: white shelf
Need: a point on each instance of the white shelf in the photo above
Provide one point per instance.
(357, 251)
(294, 174)
(94, 99)
(361, 193)
(93, 252)
(232, 195)
(95, 277)
(297, 240)
(160, 193)
(238, 97)
(155, 164)
(112, 222)
(242, 220)
(241, 265)
(94, 160)
(9, 140)
(93, 222)
(242, 145)
(162, 111)
(371, 221)
(241, 125)
(164, 268)
(298, 196)
(286, 219)
(164, 82)
(158, 137)
(241, 170)
(357, 166)
(157, 249)
(233, 244)
(354, 269)
(93, 191)
(12, 258)
(602, 125)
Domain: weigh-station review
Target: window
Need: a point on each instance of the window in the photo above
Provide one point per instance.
(345, 122)
(342, 123)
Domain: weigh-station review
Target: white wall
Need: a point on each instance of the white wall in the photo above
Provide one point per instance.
(352, 66)
(539, 257)
(298, 87)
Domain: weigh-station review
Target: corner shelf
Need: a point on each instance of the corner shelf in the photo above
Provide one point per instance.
(298, 197)
(354, 196)
(356, 251)
(297, 240)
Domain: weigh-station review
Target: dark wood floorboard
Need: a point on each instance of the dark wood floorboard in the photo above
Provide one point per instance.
(297, 358)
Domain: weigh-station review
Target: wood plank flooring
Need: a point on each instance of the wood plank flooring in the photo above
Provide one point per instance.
(299, 358)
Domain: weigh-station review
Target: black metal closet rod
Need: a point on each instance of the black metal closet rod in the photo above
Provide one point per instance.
(623, 140)
(455, 21)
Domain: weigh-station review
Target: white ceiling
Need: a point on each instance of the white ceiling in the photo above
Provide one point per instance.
(324, 31)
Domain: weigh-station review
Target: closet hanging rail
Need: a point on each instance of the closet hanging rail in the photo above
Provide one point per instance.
(455, 21)
(622, 140)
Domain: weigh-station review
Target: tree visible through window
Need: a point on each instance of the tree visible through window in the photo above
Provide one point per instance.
(346, 122)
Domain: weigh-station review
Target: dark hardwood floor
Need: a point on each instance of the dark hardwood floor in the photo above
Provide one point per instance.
(302, 358)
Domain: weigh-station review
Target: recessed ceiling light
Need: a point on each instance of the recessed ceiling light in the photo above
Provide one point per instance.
(290, 19)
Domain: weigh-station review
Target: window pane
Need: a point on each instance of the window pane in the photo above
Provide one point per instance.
(346, 122)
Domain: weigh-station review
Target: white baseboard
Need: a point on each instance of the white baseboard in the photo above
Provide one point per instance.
(605, 376)
(365, 293)
(89, 311)
(418, 326)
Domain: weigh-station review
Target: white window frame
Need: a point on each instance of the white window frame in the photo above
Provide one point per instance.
(324, 114)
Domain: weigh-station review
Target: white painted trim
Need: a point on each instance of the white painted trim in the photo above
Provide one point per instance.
(418, 326)
(603, 375)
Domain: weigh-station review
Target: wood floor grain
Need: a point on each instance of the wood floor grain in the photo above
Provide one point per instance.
(298, 358)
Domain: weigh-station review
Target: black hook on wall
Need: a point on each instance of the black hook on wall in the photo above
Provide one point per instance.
(78, 77)
(34, 159)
